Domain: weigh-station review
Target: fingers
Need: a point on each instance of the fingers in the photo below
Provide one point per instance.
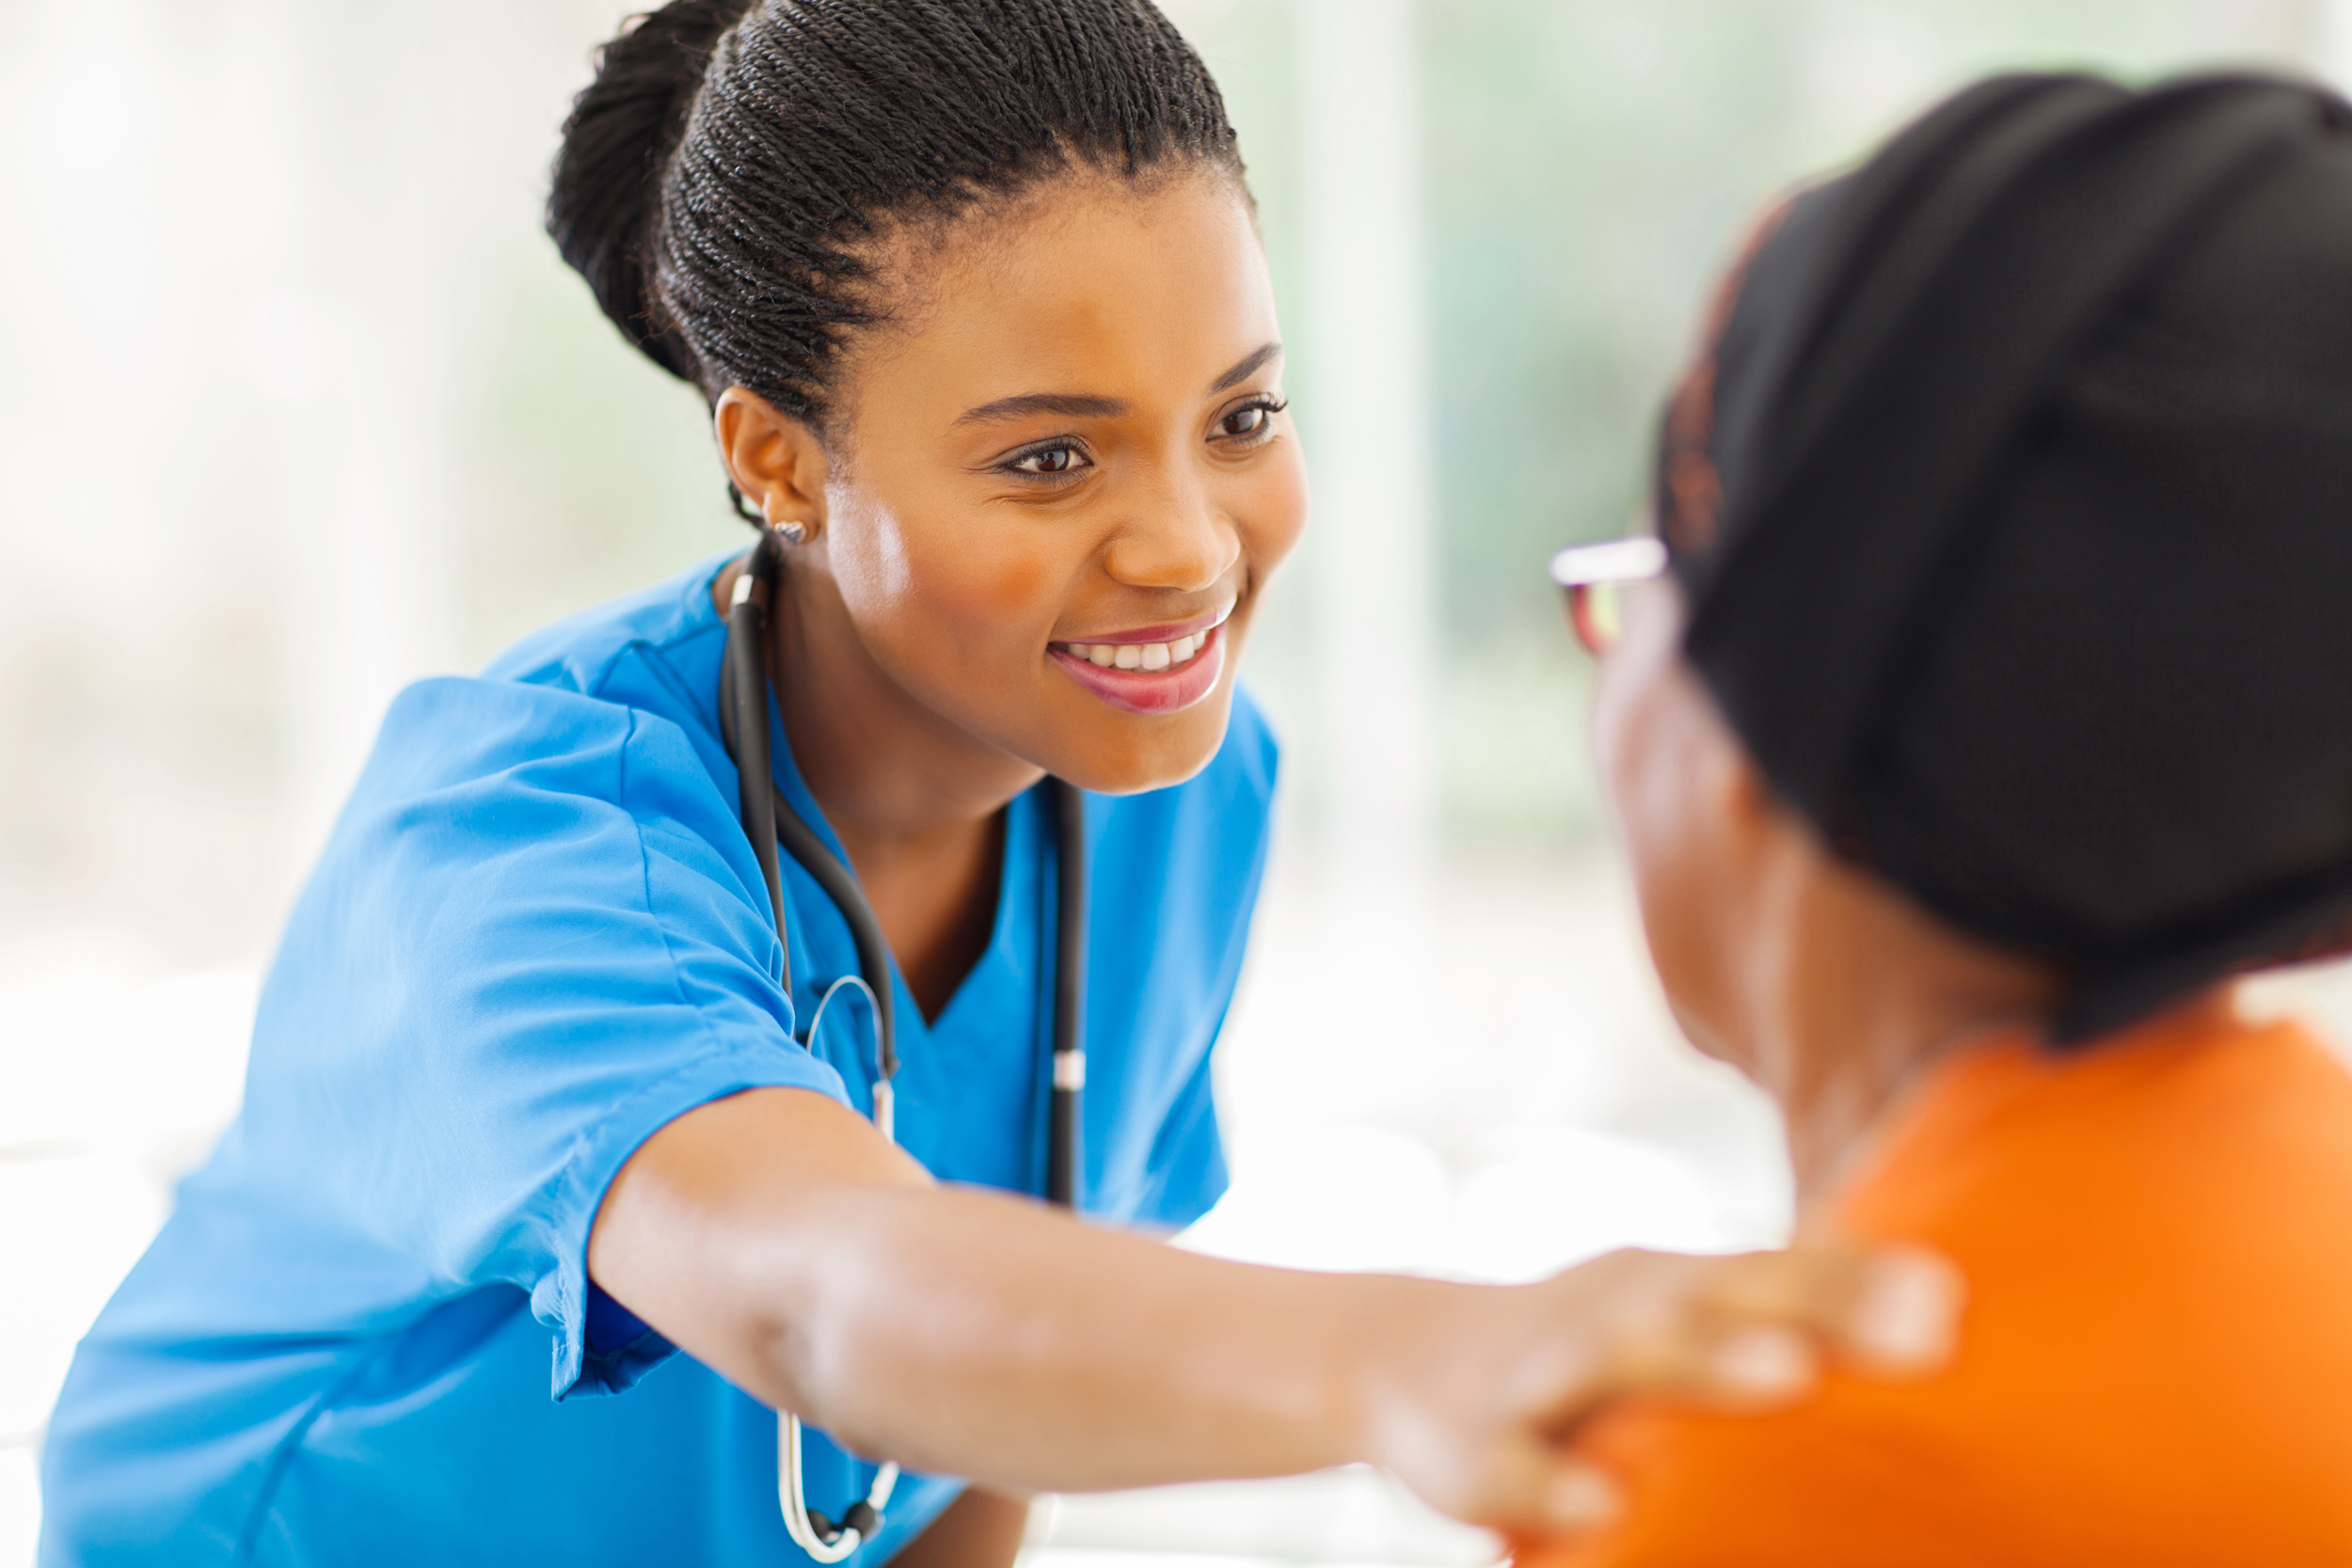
(1762, 1364)
(1906, 1318)
(1891, 1312)
(1752, 1332)
(1532, 1489)
(1720, 1362)
(1482, 1421)
(1576, 1498)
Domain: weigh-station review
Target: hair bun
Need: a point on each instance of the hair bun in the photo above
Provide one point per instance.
(723, 177)
(607, 190)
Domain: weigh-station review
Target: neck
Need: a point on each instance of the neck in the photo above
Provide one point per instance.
(892, 776)
(1864, 992)
(1832, 1107)
(916, 802)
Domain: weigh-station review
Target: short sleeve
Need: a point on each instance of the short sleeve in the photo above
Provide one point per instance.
(537, 935)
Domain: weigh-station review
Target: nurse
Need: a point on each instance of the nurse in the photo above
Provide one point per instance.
(540, 1206)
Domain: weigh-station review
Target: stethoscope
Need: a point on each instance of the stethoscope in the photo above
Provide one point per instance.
(769, 820)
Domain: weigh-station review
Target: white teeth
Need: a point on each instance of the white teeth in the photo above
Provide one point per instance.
(1153, 657)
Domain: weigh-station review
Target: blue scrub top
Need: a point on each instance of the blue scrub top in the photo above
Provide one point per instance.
(538, 933)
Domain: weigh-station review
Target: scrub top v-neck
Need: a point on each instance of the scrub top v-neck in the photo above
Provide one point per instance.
(537, 935)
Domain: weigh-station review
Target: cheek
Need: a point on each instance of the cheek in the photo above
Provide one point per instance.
(1002, 599)
(922, 595)
(1639, 790)
(870, 559)
(1671, 842)
(1272, 514)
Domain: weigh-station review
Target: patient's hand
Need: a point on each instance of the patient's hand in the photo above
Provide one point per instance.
(1478, 1422)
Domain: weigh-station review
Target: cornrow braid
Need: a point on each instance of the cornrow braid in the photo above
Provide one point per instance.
(723, 177)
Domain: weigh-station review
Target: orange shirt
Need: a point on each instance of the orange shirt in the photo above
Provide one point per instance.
(2155, 1363)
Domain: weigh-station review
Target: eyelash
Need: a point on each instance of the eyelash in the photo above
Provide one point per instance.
(1012, 464)
(1268, 403)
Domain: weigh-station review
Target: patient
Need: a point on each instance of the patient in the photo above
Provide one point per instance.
(1993, 712)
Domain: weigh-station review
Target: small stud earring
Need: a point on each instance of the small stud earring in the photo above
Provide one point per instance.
(792, 534)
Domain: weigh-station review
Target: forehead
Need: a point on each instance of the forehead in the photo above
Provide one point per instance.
(1089, 284)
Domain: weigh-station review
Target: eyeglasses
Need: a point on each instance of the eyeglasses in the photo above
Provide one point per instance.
(1592, 575)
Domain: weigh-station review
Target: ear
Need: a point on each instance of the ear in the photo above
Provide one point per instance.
(776, 460)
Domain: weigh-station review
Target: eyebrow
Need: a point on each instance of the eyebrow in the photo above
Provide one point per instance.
(1248, 367)
(1069, 405)
(1077, 406)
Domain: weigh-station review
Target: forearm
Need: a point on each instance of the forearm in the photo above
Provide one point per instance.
(960, 1331)
(777, 1238)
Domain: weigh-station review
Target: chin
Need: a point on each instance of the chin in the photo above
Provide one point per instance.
(1138, 755)
(1712, 1041)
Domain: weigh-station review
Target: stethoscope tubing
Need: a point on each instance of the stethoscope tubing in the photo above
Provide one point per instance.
(769, 820)
(743, 726)
(1062, 1145)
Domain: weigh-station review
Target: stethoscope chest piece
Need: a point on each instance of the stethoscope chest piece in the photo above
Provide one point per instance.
(812, 1531)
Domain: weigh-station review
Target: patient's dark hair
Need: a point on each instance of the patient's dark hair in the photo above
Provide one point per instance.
(724, 178)
(2011, 499)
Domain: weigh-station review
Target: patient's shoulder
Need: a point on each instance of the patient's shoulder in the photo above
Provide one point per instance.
(2153, 1366)
(2197, 1138)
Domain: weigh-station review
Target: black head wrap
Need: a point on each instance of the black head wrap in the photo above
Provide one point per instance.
(2014, 503)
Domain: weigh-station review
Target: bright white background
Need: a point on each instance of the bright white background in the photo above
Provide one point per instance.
(296, 405)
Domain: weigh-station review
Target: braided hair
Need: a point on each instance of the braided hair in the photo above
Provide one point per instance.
(724, 180)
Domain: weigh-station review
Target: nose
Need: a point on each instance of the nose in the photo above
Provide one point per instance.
(1179, 541)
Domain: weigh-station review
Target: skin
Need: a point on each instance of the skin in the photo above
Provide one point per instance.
(1828, 987)
(778, 1238)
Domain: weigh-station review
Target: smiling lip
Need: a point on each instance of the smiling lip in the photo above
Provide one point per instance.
(1152, 670)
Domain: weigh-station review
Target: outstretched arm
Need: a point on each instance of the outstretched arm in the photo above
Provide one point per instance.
(778, 1238)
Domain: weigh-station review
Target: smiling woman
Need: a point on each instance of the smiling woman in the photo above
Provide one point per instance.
(1072, 436)
(975, 295)
(1069, 434)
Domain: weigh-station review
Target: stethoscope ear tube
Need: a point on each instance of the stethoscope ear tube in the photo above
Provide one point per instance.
(769, 819)
(1070, 981)
(865, 933)
(744, 724)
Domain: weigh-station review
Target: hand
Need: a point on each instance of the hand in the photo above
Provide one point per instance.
(1474, 1407)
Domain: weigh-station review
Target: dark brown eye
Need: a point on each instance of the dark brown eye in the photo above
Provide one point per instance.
(1052, 460)
(1247, 421)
